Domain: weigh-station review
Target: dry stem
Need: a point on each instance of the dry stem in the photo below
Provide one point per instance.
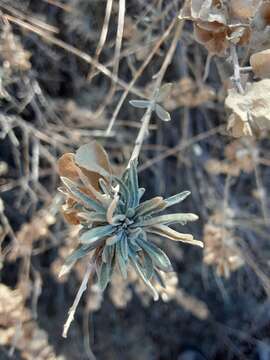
(159, 77)
(80, 292)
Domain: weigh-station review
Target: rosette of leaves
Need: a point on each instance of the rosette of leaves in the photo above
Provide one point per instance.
(115, 222)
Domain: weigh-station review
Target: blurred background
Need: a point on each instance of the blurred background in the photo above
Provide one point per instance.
(68, 69)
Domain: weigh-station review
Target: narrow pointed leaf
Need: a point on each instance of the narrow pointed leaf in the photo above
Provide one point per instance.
(171, 234)
(97, 233)
(92, 216)
(159, 258)
(159, 278)
(141, 192)
(148, 265)
(141, 274)
(175, 199)
(122, 263)
(132, 183)
(124, 192)
(104, 275)
(104, 186)
(111, 209)
(142, 104)
(124, 247)
(162, 113)
(168, 219)
(81, 196)
(108, 254)
(112, 240)
(70, 261)
(148, 206)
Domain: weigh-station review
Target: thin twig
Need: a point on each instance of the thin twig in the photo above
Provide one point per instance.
(117, 53)
(73, 50)
(236, 69)
(137, 75)
(159, 77)
(103, 36)
(80, 292)
(181, 146)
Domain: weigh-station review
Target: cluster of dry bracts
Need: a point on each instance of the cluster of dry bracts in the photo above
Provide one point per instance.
(238, 30)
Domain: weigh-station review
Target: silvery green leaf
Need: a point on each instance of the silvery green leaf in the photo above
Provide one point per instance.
(96, 233)
(124, 247)
(148, 206)
(130, 212)
(167, 219)
(159, 258)
(65, 268)
(142, 104)
(107, 254)
(162, 113)
(132, 183)
(159, 278)
(148, 266)
(134, 234)
(104, 275)
(133, 246)
(112, 240)
(92, 216)
(78, 253)
(94, 158)
(175, 199)
(171, 234)
(141, 274)
(70, 261)
(104, 255)
(104, 186)
(122, 263)
(164, 92)
(124, 192)
(118, 218)
(81, 196)
(141, 192)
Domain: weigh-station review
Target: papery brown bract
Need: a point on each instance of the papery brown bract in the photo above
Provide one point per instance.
(250, 111)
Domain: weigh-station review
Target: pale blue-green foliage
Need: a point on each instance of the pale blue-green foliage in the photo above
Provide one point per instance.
(117, 229)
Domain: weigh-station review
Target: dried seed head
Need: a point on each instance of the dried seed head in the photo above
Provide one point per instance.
(249, 110)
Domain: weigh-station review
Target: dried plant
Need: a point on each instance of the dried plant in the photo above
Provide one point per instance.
(249, 110)
(69, 70)
(223, 28)
(221, 250)
(13, 55)
(18, 329)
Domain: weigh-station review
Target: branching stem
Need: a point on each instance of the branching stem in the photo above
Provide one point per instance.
(159, 77)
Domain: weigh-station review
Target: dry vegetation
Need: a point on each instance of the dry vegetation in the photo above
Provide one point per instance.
(74, 71)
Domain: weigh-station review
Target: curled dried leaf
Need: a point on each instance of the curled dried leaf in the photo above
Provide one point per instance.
(67, 167)
(94, 158)
(111, 209)
(213, 36)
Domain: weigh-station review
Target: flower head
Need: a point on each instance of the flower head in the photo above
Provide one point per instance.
(115, 223)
